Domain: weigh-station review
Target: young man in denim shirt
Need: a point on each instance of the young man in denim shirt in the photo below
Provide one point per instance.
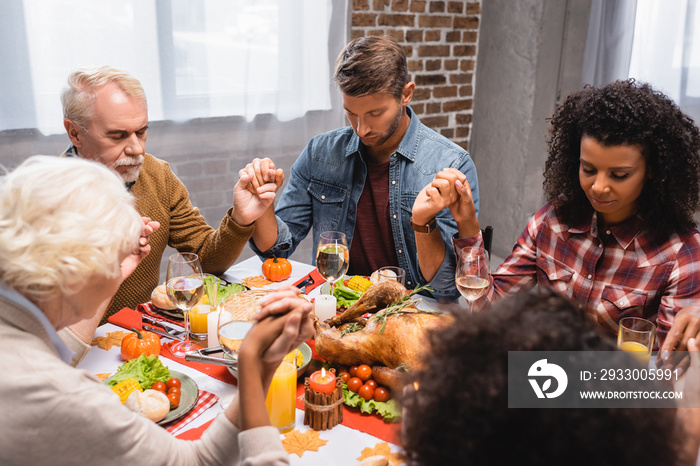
(363, 180)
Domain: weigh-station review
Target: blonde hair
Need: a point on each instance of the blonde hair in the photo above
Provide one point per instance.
(62, 222)
(83, 83)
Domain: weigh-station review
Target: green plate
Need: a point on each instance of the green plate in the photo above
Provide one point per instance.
(189, 394)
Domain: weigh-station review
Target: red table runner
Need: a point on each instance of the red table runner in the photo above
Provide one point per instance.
(352, 417)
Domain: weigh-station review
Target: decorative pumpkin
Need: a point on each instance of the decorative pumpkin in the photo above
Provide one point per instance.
(277, 269)
(138, 343)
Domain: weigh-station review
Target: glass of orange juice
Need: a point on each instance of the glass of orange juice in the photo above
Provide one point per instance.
(198, 321)
(636, 335)
(281, 398)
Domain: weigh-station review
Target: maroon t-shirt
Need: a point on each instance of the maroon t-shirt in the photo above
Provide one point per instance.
(373, 240)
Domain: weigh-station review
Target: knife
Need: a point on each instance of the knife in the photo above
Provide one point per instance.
(304, 283)
(163, 323)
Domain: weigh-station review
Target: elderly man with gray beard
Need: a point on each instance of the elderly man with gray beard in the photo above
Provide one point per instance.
(106, 117)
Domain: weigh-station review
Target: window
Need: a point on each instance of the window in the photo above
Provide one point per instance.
(195, 59)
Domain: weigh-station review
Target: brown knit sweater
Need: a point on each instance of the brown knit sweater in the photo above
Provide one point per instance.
(160, 195)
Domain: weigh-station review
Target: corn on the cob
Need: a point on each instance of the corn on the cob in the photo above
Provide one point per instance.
(126, 388)
(359, 283)
(295, 357)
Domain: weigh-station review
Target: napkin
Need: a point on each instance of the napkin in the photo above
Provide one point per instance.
(318, 280)
(205, 401)
(127, 318)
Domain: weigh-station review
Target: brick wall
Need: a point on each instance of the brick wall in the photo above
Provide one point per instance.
(440, 39)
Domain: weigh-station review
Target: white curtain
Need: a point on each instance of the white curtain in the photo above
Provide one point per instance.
(650, 40)
(195, 59)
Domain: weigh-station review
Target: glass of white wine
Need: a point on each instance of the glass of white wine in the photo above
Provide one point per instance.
(185, 287)
(332, 256)
(472, 273)
(636, 335)
(231, 334)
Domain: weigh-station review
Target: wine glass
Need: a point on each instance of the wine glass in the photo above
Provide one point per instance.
(231, 334)
(472, 273)
(332, 256)
(185, 287)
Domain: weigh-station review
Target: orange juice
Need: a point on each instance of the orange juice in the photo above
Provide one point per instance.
(638, 350)
(281, 399)
(198, 319)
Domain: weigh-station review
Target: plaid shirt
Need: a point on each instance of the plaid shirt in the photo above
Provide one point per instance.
(616, 273)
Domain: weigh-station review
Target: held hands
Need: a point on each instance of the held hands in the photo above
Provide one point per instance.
(448, 189)
(255, 190)
(283, 323)
(131, 261)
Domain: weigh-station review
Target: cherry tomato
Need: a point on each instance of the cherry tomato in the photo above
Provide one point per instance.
(364, 372)
(160, 386)
(173, 383)
(372, 383)
(353, 371)
(345, 376)
(354, 384)
(174, 399)
(366, 392)
(172, 390)
(381, 394)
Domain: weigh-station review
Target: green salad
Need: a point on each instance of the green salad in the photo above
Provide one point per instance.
(145, 370)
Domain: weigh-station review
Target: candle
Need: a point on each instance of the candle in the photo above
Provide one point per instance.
(324, 307)
(322, 381)
(213, 326)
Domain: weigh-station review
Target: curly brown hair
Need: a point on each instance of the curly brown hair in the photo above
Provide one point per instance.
(460, 413)
(627, 113)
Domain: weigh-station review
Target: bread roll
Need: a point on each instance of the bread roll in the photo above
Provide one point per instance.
(150, 403)
(159, 298)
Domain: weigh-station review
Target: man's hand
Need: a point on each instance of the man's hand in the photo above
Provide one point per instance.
(131, 261)
(255, 190)
(435, 196)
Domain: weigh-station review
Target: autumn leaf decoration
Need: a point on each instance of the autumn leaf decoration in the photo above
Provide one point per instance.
(111, 339)
(298, 442)
(382, 449)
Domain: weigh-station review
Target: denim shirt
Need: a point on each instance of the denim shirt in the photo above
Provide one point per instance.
(326, 182)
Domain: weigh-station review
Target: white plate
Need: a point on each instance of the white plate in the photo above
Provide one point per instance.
(305, 352)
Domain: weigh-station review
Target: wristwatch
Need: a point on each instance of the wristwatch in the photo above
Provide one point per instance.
(427, 228)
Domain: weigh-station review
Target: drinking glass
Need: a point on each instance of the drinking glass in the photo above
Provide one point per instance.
(231, 334)
(281, 397)
(392, 273)
(472, 273)
(185, 286)
(636, 335)
(332, 256)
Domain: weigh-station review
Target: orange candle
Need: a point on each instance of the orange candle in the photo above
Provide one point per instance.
(322, 381)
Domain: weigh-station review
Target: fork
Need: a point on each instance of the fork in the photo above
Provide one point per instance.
(166, 333)
(163, 323)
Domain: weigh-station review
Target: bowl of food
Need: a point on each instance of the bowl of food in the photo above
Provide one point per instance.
(303, 360)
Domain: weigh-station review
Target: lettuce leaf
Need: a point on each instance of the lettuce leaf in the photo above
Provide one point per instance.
(345, 297)
(228, 290)
(145, 369)
(389, 410)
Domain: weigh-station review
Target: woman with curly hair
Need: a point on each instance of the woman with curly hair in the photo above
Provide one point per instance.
(617, 234)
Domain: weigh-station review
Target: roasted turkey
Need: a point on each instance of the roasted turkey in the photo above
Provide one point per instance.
(399, 345)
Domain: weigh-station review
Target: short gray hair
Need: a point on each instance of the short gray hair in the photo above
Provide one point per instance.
(62, 222)
(83, 83)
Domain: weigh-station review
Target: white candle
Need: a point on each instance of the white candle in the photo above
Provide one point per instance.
(324, 307)
(213, 326)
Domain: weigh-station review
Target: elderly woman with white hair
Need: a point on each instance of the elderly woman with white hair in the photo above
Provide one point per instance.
(69, 235)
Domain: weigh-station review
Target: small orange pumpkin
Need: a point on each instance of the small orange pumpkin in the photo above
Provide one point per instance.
(138, 343)
(276, 269)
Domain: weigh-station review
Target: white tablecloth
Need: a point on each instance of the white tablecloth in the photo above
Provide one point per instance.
(344, 445)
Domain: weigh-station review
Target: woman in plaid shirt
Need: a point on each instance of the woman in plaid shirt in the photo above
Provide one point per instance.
(617, 233)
